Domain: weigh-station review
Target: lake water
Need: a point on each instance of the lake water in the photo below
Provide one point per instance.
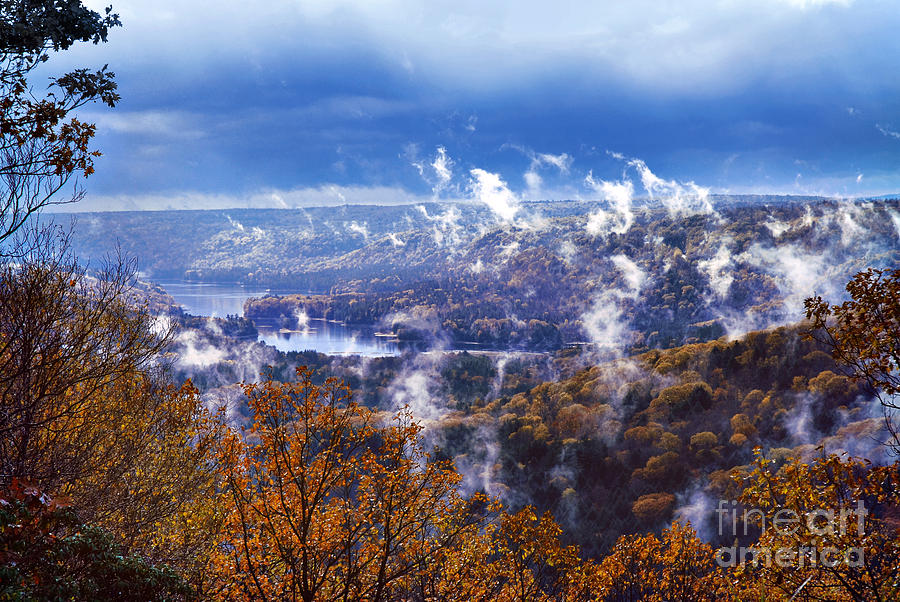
(209, 299)
(330, 338)
(220, 300)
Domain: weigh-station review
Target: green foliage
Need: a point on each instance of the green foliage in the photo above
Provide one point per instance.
(46, 553)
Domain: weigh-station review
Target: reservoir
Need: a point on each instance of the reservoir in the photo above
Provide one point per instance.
(220, 300)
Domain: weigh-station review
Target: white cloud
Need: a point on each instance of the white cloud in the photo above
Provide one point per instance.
(887, 131)
(620, 217)
(533, 179)
(235, 224)
(685, 45)
(361, 229)
(442, 167)
(807, 4)
(719, 270)
(634, 276)
(173, 124)
(605, 322)
(488, 188)
(196, 353)
(396, 240)
(446, 229)
(438, 173)
(562, 162)
(679, 198)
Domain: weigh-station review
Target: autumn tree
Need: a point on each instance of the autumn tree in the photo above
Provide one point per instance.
(512, 557)
(64, 337)
(674, 566)
(324, 502)
(829, 529)
(863, 334)
(86, 408)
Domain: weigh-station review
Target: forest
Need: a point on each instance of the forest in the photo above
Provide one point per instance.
(694, 407)
(461, 278)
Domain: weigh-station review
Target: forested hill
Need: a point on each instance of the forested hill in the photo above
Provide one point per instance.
(609, 448)
(287, 247)
(560, 273)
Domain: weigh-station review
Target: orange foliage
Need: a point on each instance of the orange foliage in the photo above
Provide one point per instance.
(323, 503)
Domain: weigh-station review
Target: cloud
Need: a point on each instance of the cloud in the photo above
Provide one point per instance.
(671, 45)
(235, 224)
(262, 96)
(442, 167)
(619, 218)
(887, 131)
(562, 162)
(796, 271)
(719, 270)
(446, 229)
(533, 181)
(194, 353)
(680, 198)
(491, 190)
(808, 4)
(361, 229)
(634, 276)
(172, 124)
(438, 172)
(605, 323)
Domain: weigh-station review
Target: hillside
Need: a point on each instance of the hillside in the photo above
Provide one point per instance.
(609, 447)
(664, 281)
(560, 274)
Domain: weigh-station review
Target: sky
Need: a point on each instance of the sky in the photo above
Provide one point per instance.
(285, 103)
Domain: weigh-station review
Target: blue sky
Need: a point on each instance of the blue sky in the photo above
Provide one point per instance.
(287, 102)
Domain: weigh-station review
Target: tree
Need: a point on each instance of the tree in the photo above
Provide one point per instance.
(510, 557)
(864, 334)
(87, 410)
(832, 523)
(41, 145)
(675, 566)
(325, 503)
(64, 338)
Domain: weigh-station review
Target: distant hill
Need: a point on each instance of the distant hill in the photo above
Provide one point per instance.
(559, 273)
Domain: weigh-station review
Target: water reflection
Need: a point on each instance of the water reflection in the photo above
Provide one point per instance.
(212, 299)
(330, 338)
(220, 300)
